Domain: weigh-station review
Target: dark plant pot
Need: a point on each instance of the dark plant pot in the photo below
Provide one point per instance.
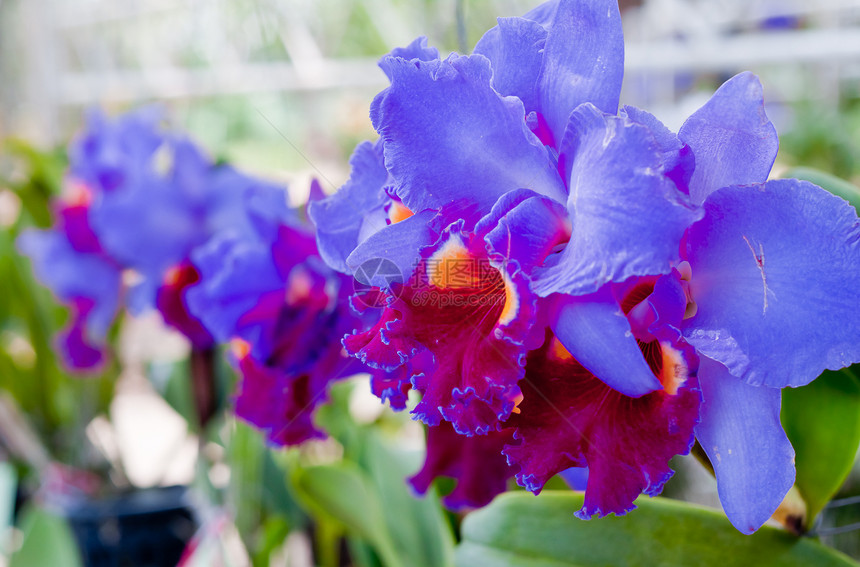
(144, 528)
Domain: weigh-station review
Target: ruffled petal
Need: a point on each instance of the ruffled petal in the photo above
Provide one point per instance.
(476, 463)
(677, 157)
(416, 50)
(774, 278)
(743, 437)
(339, 218)
(617, 190)
(472, 316)
(515, 50)
(569, 418)
(596, 332)
(450, 138)
(731, 137)
(583, 61)
(393, 386)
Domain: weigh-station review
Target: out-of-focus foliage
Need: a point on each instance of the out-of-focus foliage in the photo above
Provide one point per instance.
(365, 496)
(32, 378)
(822, 420)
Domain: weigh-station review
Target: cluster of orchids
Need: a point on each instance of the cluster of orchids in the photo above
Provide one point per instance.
(566, 284)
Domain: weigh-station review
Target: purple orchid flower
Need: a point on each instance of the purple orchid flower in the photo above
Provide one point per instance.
(518, 158)
(142, 200)
(268, 293)
(70, 258)
(70, 261)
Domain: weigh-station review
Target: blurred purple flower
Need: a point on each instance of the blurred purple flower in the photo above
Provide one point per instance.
(267, 291)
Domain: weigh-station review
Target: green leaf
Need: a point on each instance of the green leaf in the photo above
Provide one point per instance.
(343, 492)
(822, 421)
(47, 541)
(521, 530)
(835, 185)
(418, 526)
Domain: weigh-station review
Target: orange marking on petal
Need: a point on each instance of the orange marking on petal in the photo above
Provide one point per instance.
(512, 302)
(558, 351)
(451, 267)
(517, 401)
(173, 276)
(77, 194)
(299, 286)
(674, 372)
(397, 212)
(241, 348)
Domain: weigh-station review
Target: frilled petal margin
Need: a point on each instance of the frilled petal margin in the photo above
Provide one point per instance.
(742, 435)
(569, 418)
(472, 318)
(476, 463)
(774, 277)
(731, 137)
(617, 190)
(450, 138)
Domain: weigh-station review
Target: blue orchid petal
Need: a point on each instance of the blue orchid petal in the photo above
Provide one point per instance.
(617, 190)
(524, 227)
(400, 244)
(113, 152)
(731, 137)
(543, 13)
(167, 225)
(515, 50)
(583, 61)
(234, 273)
(740, 431)
(596, 332)
(340, 217)
(774, 276)
(575, 477)
(678, 160)
(73, 275)
(450, 138)
(416, 50)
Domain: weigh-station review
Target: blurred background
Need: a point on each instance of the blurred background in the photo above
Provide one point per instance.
(254, 80)
(282, 88)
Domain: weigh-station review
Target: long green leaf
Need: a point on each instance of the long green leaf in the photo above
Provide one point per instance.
(47, 541)
(822, 420)
(521, 530)
(344, 493)
(418, 526)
